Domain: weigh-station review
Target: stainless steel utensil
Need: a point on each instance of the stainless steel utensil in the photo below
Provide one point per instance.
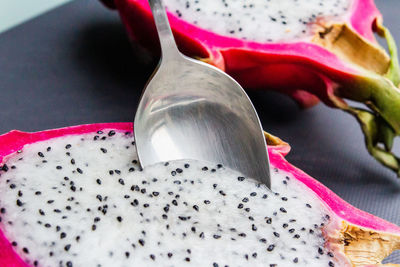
(191, 110)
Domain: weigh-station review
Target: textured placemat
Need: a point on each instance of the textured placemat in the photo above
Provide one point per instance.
(74, 65)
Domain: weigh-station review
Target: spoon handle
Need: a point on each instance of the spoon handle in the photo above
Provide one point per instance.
(167, 41)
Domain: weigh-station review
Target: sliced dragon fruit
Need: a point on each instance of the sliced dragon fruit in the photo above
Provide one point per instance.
(311, 50)
(77, 197)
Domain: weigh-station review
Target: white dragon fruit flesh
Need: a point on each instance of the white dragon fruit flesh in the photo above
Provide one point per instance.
(81, 199)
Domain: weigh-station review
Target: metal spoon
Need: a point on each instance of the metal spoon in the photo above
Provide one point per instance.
(191, 110)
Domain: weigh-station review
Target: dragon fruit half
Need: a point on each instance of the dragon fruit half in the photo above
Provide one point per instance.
(77, 197)
(311, 50)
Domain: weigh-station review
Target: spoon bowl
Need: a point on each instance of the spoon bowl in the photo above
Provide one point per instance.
(192, 110)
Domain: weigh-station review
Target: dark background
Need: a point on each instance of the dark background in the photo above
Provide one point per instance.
(74, 65)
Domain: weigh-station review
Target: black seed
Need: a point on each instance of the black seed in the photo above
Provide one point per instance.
(169, 254)
(222, 193)
(4, 168)
(240, 206)
(41, 154)
(245, 200)
(174, 202)
(276, 234)
(47, 225)
(25, 250)
(331, 264)
(63, 235)
(73, 188)
(308, 205)
(205, 168)
(320, 251)
(103, 150)
(263, 240)
(241, 178)
(121, 181)
(3, 210)
(68, 146)
(12, 186)
(179, 170)
(58, 167)
(19, 203)
(196, 208)
(201, 235)
(14, 244)
(207, 201)
(187, 259)
(296, 260)
(93, 227)
(296, 236)
(253, 227)
(141, 242)
(111, 133)
(253, 194)
(283, 210)
(242, 235)
(146, 205)
(79, 170)
(41, 212)
(186, 165)
(284, 198)
(271, 247)
(291, 230)
(67, 247)
(156, 194)
(38, 193)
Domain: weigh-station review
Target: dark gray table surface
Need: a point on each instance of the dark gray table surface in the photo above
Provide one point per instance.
(74, 65)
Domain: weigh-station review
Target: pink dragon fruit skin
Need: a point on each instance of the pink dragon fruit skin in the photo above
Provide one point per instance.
(342, 61)
(353, 234)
